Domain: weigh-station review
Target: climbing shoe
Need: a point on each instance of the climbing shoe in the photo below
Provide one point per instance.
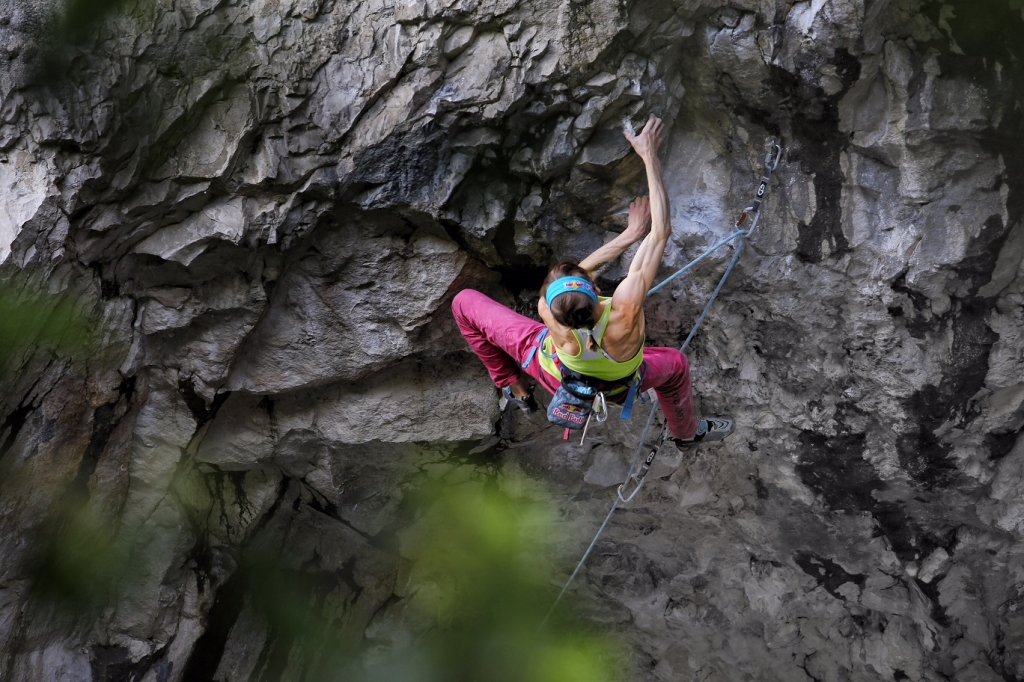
(528, 405)
(713, 428)
(708, 429)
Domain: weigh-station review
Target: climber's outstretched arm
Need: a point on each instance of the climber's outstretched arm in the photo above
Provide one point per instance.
(630, 294)
(636, 228)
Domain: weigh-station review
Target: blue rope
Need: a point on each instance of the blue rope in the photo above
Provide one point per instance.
(718, 290)
(615, 505)
(586, 554)
(695, 261)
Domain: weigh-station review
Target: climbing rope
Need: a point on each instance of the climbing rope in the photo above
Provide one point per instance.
(637, 474)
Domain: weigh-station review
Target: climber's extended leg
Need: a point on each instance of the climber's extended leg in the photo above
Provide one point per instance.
(668, 373)
(501, 338)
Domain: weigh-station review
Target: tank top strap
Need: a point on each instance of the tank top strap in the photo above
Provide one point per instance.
(584, 336)
(602, 324)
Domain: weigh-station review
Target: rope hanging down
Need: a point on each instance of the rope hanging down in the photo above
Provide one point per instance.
(638, 474)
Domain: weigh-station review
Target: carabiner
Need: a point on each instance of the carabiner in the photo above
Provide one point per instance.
(639, 484)
(772, 158)
(601, 408)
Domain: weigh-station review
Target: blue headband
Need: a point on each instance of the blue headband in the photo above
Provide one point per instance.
(567, 285)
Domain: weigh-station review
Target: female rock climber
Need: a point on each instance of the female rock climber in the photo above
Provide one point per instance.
(600, 338)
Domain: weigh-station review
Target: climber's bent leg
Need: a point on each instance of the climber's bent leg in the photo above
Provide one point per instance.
(500, 337)
(668, 373)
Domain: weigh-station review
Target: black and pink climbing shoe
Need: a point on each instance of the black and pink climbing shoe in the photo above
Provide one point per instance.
(527, 405)
(708, 429)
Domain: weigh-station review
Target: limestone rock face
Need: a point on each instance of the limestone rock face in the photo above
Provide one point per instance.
(267, 207)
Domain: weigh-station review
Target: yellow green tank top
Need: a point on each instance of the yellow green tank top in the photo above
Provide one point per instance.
(589, 362)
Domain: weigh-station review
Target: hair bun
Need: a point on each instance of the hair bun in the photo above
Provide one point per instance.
(581, 318)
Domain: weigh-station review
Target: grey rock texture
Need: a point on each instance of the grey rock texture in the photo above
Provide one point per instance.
(268, 206)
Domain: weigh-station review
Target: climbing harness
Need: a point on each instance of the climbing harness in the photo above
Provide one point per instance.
(637, 469)
(579, 396)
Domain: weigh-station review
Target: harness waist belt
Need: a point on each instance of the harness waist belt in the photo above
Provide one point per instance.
(614, 387)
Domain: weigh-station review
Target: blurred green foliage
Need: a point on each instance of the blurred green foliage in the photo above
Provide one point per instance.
(79, 560)
(76, 551)
(34, 321)
(483, 579)
(478, 582)
(69, 26)
(480, 585)
(30, 318)
(76, 20)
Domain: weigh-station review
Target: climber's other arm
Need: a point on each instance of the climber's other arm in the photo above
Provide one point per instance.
(636, 228)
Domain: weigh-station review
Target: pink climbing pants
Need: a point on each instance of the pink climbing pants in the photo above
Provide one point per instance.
(502, 339)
